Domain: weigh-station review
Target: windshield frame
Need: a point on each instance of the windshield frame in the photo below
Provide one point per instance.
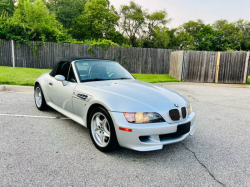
(92, 80)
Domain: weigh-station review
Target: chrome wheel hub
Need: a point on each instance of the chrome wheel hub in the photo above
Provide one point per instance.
(100, 129)
(38, 97)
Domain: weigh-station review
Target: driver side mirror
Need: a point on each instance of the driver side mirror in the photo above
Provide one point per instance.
(61, 78)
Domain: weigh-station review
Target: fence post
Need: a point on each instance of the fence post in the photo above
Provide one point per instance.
(217, 68)
(246, 69)
(183, 65)
(13, 53)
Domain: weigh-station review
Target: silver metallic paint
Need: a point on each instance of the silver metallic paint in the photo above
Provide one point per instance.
(119, 96)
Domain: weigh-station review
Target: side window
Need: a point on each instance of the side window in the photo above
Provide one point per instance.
(71, 77)
(63, 69)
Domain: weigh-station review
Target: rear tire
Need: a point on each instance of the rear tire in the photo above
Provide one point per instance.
(39, 98)
(102, 131)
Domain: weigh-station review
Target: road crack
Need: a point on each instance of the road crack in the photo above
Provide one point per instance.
(203, 165)
(193, 98)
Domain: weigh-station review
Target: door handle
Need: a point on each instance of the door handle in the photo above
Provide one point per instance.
(50, 84)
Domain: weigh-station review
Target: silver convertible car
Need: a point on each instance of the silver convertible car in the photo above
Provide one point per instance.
(117, 109)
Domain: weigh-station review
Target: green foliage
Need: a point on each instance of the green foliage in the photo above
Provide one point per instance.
(115, 36)
(66, 10)
(139, 25)
(97, 20)
(37, 18)
(32, 21)
(132, 21)
(155, 20)
(7, 7)
(161, 37)
(105, 44)
(201, 33)
(126, 45)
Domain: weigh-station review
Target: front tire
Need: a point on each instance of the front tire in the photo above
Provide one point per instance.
(39, 98)
(102, 130)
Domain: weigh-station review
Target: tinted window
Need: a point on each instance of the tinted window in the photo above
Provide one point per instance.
(63, 69)
(101, 70)
(71, 77)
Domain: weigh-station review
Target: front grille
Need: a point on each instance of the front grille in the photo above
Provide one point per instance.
(174, 114)
(184, 112)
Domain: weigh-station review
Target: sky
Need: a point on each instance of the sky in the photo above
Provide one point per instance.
(181, 11)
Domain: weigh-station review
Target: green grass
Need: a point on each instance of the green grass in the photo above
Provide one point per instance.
(248, 82)
(154, 78)
(20, 76)
(27, 76)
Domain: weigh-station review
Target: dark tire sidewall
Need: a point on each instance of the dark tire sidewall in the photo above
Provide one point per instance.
(113, 144)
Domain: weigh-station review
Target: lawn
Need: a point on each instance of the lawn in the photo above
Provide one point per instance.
(248, 82)
(154, 78)
(27, 76)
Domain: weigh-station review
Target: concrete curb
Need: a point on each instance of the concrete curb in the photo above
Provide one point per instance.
(1, 88)
(205, 84)
(15, 88)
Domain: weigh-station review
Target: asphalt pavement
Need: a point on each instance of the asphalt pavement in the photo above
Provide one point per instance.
(47, 149)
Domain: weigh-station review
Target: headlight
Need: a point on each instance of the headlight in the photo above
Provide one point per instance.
(189, 109)
(143, 117)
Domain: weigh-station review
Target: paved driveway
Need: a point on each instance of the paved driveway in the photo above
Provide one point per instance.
(47, 151)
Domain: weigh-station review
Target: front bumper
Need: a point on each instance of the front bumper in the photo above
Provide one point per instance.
(148, 137)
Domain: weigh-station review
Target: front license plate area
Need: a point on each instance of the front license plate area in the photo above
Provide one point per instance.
(183, 129)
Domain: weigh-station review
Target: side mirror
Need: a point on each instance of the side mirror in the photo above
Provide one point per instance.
(61, 79)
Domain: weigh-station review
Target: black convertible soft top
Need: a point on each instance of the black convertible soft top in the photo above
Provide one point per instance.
(71, 59)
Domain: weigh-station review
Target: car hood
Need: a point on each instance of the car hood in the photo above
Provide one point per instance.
(132, 96)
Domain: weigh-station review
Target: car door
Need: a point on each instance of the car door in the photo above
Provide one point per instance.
(59, 94)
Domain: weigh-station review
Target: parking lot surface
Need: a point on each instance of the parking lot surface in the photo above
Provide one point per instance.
(45, 149)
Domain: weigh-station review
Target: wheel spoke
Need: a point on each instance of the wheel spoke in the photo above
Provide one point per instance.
(97, 131)
(98, 121)
(106, 134)
(103, 122)
(103, 139)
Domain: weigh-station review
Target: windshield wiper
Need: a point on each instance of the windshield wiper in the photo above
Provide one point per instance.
(96, 79)
(121, 78)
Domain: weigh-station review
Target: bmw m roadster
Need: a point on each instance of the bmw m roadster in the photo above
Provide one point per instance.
(117, 109)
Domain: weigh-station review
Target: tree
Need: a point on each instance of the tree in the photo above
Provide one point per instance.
(132, 21)
(202, 34)
(218, 25)
(156, 19)
(33, 21)
(7, 6)
(184, 41)
(244, 27)
(66, 10)
(97, 20)
(161, 38)
(229, 35)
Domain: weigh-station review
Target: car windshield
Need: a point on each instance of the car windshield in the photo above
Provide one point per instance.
(99, 70)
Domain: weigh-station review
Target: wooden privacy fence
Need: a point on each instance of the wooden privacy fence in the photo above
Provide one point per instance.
(135, 60)
(211, 67)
